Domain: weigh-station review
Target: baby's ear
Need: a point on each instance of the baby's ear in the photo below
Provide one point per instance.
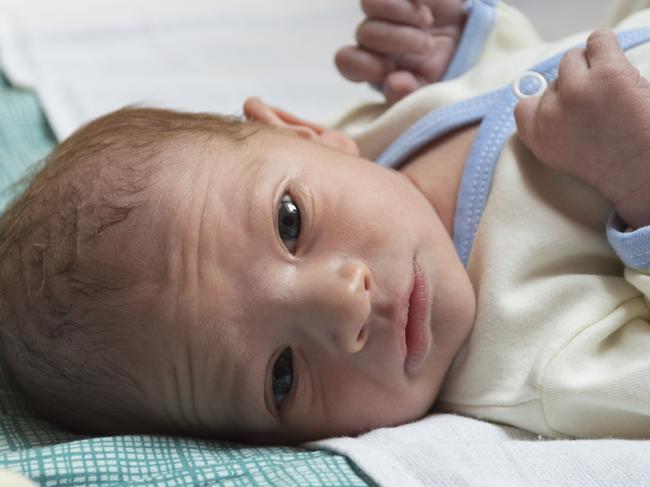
(256, 109)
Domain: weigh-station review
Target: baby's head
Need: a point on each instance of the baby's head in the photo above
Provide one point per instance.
(187, 273)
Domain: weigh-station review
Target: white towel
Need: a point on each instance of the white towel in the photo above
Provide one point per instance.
(13, 479)
(449, 450)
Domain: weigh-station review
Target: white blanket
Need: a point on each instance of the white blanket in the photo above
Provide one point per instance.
(449, 450)
(85, 58)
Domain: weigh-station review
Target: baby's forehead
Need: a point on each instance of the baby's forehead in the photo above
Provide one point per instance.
(253, 165)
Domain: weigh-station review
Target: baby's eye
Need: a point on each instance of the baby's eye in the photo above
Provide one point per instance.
(282, 377)
(288, 222)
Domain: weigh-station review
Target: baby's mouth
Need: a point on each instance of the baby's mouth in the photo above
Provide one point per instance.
(417, 333)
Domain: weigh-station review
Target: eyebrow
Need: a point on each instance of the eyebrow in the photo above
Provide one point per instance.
(251, 175)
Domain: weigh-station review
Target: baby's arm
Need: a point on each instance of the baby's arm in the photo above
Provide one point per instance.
(593, 123)
(403, 44)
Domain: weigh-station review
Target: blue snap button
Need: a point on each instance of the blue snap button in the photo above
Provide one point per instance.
(531, 83)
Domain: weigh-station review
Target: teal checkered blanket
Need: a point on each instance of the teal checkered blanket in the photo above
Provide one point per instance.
(52, 456)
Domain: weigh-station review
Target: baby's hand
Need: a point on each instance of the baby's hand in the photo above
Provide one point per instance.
(403, 44)
(593, 123)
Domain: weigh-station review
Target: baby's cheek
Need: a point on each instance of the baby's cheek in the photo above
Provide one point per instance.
(387, 404)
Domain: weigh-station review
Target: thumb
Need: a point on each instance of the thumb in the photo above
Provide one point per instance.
(525, 113)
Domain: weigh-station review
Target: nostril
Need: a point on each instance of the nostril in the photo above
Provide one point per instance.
(367, 280)
(361, 337)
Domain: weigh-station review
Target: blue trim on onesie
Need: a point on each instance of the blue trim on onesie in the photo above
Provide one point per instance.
(476, 181)
(478, 27)
(633, 248)
(436, 124)
(497, 112)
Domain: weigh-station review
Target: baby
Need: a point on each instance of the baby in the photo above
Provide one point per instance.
(261, 280)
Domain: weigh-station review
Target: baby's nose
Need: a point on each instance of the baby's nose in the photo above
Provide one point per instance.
(340, 304)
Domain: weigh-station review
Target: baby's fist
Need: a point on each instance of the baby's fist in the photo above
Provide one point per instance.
(403, 45)
(593, 123)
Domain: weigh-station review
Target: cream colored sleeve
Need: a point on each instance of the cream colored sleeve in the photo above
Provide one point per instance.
(599, 384)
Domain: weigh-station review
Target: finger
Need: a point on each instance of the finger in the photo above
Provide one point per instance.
(413, 13)
(448, 13)
(571, 71)
(358, 64)
(525, 115)
(399, 84)
(388, 38)
(431, 66)
(603, 48)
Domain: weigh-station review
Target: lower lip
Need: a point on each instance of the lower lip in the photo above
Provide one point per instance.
(418, 334)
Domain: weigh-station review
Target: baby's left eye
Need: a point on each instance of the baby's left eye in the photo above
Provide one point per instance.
(282, 377)
(289, 222)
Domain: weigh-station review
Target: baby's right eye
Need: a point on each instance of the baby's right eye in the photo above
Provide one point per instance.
(289, 222)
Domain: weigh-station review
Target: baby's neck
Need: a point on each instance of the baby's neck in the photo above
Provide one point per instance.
(437, 170)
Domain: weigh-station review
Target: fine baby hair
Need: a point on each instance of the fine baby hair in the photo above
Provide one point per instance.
(78, 264)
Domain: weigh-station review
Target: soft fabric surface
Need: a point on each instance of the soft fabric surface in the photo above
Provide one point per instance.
(13, 479)
(198, 55)
(449, 450)
(25, 137)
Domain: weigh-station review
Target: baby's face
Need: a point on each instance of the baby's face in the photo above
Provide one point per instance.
(284, 329)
